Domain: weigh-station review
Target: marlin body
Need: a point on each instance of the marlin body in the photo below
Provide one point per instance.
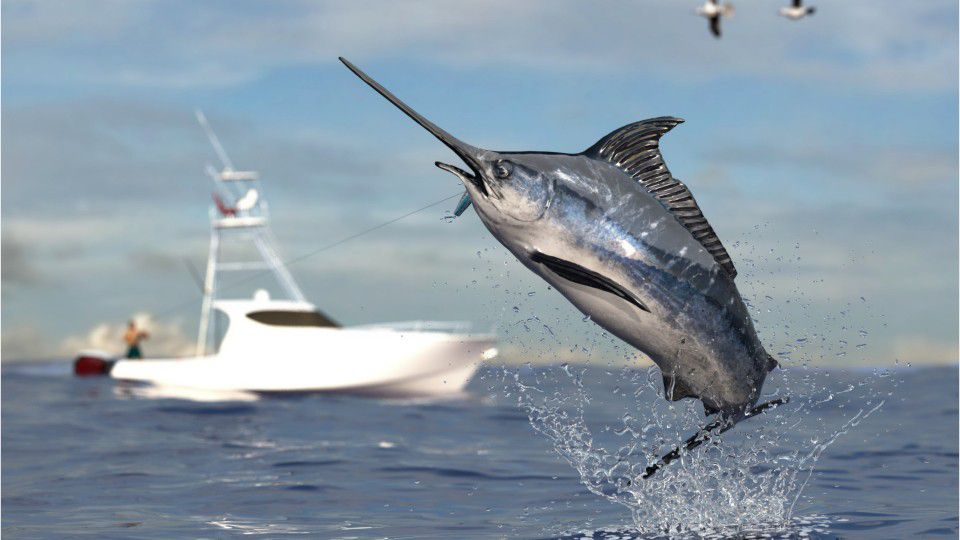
(622, 257)
(625, 242)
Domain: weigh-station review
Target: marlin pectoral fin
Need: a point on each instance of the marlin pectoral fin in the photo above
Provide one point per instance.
(578, 274)
(464, 203)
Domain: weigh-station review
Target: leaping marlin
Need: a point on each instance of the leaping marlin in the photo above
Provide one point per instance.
(626, 243)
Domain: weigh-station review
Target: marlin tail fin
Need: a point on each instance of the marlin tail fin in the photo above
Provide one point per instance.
(706, 433)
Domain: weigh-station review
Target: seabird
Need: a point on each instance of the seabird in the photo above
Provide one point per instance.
(713, 11)
(797, 11)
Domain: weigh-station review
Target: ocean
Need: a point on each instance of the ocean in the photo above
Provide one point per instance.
(528, 452)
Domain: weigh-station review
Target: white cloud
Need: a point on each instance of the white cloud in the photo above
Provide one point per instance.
(25, 342)
(887, 45)
(56, 233)
(18, 266)
(31, 342)
(897, 164)
(167, 339)
(918, 350)
(69, 21)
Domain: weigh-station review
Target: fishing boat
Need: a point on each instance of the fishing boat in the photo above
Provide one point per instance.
(285, 344)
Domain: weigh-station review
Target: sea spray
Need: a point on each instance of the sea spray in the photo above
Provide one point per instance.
(748, 480)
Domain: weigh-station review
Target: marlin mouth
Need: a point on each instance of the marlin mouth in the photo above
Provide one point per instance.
(463, 175)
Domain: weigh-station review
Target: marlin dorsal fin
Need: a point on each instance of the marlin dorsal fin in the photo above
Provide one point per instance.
(635, 149)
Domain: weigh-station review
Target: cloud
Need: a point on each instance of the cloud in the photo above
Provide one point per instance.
(24, 342)
(167, 339)
(98, 160)
(57, 251)
(903, 166)
(156, 261)
(31, 342)
(18, 267)
(889, 45)
(920, 350)
(94, 156)
(67, 21)
(60, 233)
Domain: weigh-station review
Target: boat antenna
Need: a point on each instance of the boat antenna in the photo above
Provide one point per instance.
(214, 141)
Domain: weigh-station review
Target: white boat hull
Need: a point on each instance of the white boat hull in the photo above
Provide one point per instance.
(376, 362)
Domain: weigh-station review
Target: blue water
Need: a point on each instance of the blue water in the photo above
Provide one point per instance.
(90, 458)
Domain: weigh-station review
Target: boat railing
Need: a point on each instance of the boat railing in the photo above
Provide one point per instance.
(450, 327)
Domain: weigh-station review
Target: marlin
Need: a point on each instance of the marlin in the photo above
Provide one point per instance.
(626, 243)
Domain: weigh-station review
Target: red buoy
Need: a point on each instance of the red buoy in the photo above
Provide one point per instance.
(86, 365)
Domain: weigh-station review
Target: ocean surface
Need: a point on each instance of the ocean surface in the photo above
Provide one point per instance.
(526, 453)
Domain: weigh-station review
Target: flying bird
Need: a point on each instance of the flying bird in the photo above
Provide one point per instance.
(797, 11)
(714, 11)
(626, 243)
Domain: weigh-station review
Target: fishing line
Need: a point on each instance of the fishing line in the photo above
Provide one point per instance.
(309, 254)
(356, 235)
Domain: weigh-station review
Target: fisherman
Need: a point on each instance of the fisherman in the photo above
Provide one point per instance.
(133, 336)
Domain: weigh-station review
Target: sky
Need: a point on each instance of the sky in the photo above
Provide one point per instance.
(823, 151)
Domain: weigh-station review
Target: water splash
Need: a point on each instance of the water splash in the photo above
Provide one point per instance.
(749, 482)
(749, 479)
(800, 528)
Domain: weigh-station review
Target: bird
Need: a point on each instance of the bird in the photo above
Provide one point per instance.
(714, 11)
(797, 11)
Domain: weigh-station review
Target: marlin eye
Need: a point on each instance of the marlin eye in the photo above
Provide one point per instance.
(503, 168)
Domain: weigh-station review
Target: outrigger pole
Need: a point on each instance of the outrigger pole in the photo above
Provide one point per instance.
(241, 209)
